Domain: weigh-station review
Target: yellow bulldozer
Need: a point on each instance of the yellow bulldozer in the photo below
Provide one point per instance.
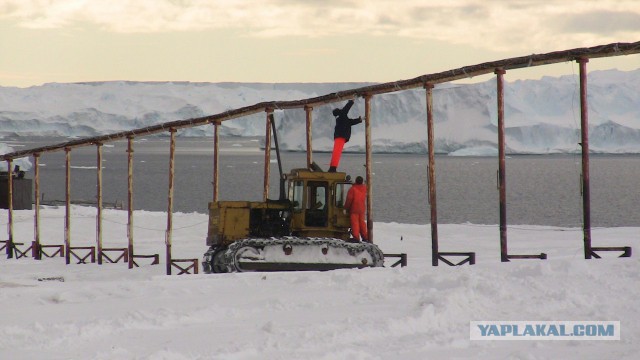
(307, 228)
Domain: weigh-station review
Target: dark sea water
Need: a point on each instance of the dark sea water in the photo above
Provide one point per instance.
(541, 190)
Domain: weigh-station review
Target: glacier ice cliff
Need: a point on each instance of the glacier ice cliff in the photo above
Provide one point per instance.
(541, 116)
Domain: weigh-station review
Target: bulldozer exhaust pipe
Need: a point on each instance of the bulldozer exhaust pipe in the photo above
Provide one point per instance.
(275, 141)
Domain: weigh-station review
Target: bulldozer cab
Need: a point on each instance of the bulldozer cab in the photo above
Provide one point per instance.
(314, 207)
(317, 200)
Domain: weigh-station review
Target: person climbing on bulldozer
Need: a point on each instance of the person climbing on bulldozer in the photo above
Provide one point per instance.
(341, 133)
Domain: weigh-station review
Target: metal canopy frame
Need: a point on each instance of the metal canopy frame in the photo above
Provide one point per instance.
(581, 55)
(615, 49)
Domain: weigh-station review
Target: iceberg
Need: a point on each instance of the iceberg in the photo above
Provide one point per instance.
(23, 163)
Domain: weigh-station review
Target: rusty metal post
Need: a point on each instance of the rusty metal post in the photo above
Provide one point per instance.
(309, 110)
(36, 217)
(504, 257)
(367, 132)
(10, 244)
(172, 151)
(130, 198)
(432, 177)
(584, 142)
(67, 214)
(99, 203)
(267, 155)
(216, 149)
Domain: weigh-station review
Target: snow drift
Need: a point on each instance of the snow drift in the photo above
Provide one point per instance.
(416, 312)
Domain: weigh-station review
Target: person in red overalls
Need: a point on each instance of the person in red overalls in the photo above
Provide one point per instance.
(341, 133)
(356, 205)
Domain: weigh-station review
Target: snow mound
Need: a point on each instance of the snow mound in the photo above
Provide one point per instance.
(416, 312)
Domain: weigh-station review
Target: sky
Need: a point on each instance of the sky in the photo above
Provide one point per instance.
(277, 41)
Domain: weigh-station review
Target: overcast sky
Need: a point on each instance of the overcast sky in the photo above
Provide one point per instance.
(297, 40)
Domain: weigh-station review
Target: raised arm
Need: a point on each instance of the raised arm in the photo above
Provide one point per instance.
(347, 107)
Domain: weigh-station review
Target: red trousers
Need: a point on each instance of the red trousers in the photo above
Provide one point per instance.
(358, 227)
(338, 145)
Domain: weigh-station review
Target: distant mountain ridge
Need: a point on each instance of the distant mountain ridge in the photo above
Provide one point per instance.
(542, 116)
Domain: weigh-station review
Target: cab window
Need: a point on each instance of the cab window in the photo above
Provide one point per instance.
(316, 195)
(341, 193)
(295, 194)
(316, 213)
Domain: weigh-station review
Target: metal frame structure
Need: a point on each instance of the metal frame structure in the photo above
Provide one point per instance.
(502, 175)
(9, 244)
(589, 251)
(436, 254)
(581, 55)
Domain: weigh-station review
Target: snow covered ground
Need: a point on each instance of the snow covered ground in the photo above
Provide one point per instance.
(416, 312)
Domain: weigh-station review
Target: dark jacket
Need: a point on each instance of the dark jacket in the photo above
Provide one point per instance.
(343, 123)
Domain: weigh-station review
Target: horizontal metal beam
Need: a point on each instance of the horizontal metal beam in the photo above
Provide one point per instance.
(615, 49)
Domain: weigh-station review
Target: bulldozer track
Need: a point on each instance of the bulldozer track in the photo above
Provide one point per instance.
(229, 258)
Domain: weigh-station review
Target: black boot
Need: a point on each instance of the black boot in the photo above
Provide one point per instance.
(332, 169)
